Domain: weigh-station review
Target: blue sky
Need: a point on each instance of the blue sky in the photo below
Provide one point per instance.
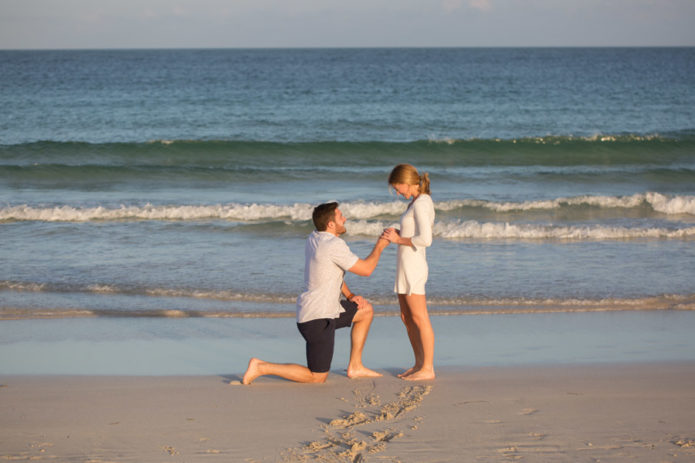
(347, 23)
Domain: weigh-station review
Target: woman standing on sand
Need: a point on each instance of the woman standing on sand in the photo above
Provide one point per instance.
(414, 237)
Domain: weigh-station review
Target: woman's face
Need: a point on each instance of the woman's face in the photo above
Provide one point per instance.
(405, 190)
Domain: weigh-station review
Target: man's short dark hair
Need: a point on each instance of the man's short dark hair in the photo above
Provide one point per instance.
(323, 213)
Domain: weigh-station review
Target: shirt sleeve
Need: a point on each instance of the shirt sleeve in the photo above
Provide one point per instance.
(423, 213)
(342, 256)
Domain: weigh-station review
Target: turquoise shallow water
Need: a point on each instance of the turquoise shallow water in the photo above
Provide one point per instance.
(127, 346)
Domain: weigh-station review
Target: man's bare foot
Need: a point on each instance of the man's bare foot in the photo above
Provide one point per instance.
(362, 372)
(409, 372)
(252, 372)
(420, 375)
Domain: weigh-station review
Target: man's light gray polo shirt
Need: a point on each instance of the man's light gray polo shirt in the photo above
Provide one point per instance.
(328, 257)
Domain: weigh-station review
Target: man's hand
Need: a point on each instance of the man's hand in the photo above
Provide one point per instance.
(391, 235)
(360, 301)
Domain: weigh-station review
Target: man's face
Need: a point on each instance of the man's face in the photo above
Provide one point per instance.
(339, 221)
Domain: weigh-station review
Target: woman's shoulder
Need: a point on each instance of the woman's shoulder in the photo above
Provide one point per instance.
(424, 198)
(423, 204)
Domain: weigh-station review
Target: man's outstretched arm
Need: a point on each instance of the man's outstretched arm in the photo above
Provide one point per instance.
(365, 267)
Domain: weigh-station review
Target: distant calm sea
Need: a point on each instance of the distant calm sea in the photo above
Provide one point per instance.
(181, 182)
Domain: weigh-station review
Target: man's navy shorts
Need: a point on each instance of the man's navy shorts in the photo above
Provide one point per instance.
(319, 335)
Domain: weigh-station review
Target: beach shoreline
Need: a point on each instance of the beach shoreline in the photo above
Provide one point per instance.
(200, 346)
(608, 412)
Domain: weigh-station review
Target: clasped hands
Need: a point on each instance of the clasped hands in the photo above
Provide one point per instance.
(392, 235)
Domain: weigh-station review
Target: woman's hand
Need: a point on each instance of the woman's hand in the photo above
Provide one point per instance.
(392, 235)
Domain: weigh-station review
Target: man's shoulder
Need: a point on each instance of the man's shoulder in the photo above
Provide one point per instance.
(323, 237)
(325, 241)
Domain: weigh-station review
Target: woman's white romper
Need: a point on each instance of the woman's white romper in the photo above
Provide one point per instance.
(411, 268)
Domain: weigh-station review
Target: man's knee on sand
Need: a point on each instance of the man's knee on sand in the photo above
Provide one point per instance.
(319, 378)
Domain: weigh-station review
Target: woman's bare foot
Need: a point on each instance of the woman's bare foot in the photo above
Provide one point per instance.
(420, 375)
(362, 372)
(252, 372)
(409, 371)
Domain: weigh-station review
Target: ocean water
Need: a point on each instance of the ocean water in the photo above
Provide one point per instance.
(180, 183)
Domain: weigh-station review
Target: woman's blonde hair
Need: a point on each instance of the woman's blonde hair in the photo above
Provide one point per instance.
(405, 173)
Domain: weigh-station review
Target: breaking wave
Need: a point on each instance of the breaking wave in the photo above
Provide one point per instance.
(656, 202)
(504, 220)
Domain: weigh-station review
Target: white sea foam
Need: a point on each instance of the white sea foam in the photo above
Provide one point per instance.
(233, 211)
(239, 212)
(130, 290)
(670, 205)
(551, 140)
(475, 230)
(658, 202)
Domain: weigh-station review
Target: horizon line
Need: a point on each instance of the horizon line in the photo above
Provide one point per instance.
(366, 47)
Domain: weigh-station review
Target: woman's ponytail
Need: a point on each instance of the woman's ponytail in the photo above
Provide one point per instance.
(425, 183)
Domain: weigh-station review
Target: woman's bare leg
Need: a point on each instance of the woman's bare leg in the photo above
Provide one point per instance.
(413, 336)
(417, 309)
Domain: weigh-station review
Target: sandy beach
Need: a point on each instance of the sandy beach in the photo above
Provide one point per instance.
(624, 412)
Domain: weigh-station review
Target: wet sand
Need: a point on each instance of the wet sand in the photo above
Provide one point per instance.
(617, 412)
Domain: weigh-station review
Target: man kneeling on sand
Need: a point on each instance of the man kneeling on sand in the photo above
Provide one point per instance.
(319, 308)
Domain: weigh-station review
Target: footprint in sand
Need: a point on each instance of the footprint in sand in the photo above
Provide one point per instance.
(416, 423)
(170, 450)
(366, 399)
(354, 419)
(386, 436)
(339, 443)
(511, 453)
(684, 443)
